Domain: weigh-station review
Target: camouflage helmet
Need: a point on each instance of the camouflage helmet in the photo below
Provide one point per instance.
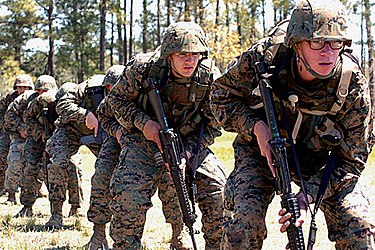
(317, 19)
(94, 81)
(45, 82)
(23, 80)
(113, 74)
(64, 89)
(183, 37)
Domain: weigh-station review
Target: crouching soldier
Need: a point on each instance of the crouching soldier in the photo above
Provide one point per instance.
(76, 119)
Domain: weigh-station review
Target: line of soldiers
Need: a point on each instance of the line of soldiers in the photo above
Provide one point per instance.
(319, 89)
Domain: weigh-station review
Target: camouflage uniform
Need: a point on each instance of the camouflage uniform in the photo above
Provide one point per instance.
(40, 113)
(250, 187)
(4, 135)
(22, 80)
(14, 123)
(65, 142)
(106, 161)
(137, 176)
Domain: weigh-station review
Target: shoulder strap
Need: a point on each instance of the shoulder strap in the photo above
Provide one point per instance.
(342, 90)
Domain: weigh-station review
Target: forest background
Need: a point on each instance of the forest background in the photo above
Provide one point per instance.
(72, 40)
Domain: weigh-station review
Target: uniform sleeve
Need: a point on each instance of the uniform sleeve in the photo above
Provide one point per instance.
(123, 99)
(230, 97)
(69, 106)
(13, 116)
(106, 117)
(356, 121)
(30, 116)
(3, 108)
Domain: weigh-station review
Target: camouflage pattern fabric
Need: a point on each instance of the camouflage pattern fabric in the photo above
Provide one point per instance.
(35, 147)
(66, 140)
(99, 212)
(4, 135)
(191, 38)
(4, 150)
(326, 20)
(14, 123)
(15, 163)
(137, 176)
(61, 147)
(143, 176)
(249, 189)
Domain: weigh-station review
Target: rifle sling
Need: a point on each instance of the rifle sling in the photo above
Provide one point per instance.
(323, 183)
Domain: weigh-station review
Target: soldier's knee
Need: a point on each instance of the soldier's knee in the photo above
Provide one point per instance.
(364, 239)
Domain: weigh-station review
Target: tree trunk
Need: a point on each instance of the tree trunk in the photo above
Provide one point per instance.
(131, 30)
(217, 19)
(119, 33)
(51, 53)
(112, 38)
(125, 45)
(238, 21)
(103, 10)
(144, 30)
(168, 4)
(158, 36)
(371, 52)
(187, 11)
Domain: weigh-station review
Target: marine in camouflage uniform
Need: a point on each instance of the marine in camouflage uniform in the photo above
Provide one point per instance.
(73, 110)
(107, 159)
(40, 116)
(21, 83)
(319, 121)
(138, 175)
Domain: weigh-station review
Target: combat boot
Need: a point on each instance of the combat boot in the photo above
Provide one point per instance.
(98, 239)
(26, 211)
(11, 198)
(181, 239)
(75, 211)
(56, 221)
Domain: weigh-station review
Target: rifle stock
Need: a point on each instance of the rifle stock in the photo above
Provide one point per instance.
(172, 149)
(283, 181)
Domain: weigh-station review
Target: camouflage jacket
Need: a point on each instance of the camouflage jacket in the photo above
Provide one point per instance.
(235, 97)
(14, 121)
(4, 104)
(106, 116)
(133, 116)
(41, 110)
(72, 109)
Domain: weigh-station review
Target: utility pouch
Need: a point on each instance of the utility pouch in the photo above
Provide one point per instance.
(329, 133)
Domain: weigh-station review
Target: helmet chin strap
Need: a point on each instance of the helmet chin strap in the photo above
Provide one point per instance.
(307, 66)
(311, 71)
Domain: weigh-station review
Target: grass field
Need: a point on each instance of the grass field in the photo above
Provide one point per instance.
(29, 233)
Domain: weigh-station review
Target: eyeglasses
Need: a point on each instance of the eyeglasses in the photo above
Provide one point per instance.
(319, 44)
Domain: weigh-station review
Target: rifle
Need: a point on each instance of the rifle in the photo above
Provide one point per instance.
(92, 98)
(98, 139)
(173, 148)
(277, 143)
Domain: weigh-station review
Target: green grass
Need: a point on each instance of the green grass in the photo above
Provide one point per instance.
(29, 234)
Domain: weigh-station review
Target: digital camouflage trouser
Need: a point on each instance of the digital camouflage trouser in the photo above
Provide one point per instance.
(31, 180)
(15, 163)
(136, 179)
(62, 146)
(4, 150)
(249, 191)
(100, 197)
